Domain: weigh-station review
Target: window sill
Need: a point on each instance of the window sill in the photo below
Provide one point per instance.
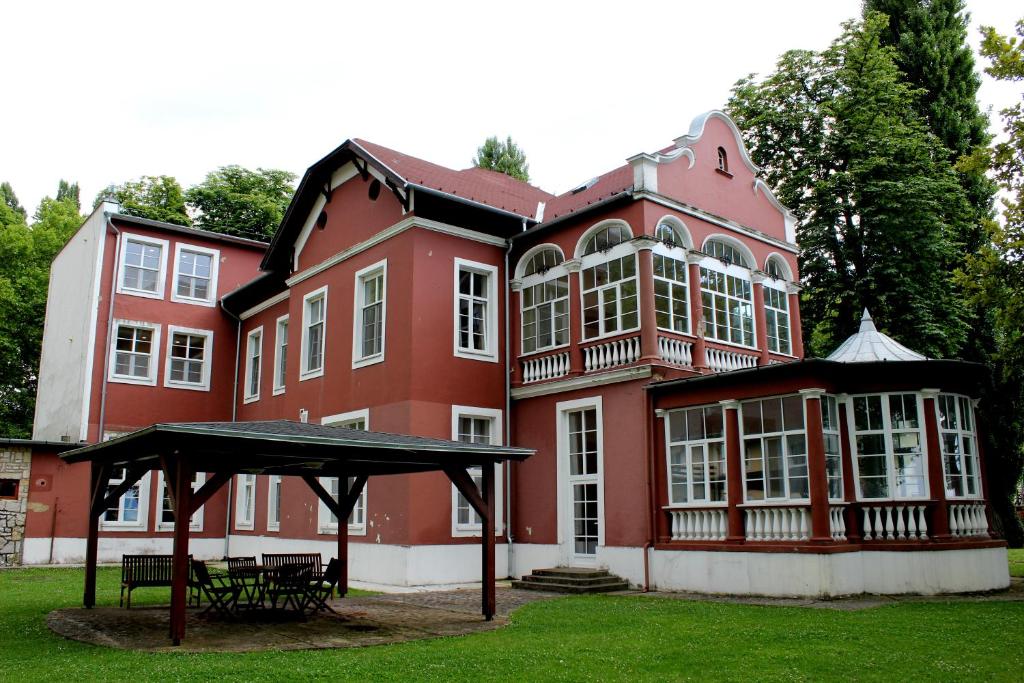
(277, 391)
(193, 302)
(142, 293)
(311, 374)
(189, 387)
(244, 526)
(695, 506)
(485, 356)
(732, 345)
(121, 379)
(725, 173)
(134, 527)
(609, 335)
(274, 527)
(777, 503)
(368, 360)
(250, 399)
(688, 334)
(541, 352)
(332, 530)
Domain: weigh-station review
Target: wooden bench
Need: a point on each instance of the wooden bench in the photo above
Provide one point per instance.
(273, 561)
(145, 571)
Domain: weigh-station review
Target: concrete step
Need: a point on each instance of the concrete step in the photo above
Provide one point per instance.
(561, 587)
(572, 580)
(576, 580)
(571, 572)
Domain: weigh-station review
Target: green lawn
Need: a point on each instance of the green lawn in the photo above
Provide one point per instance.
(1016, 562)
(598, 637)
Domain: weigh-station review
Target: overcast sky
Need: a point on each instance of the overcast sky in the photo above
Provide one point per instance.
(103, 92)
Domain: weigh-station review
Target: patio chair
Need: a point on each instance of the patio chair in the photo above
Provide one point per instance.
(291, 582)
(321, 588)
(219, 590)
(244, 573)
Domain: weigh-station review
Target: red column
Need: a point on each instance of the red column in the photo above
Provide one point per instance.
(179, 562)
(734, 469)
(849, 485)
(575, 317)
(795, 329)
(645, 299)
(816, 469)
(700, 362)
(487, 573)
(936, 472)
(760, 320)
(515, 332)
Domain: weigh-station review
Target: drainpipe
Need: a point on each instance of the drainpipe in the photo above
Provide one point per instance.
(234, 418)
(110, 327)
(508, 415)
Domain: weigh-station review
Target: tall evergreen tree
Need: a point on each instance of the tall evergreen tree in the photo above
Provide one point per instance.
(237, 201)
(10, 200)
(158, 198)
(504, 157)
(878, 203)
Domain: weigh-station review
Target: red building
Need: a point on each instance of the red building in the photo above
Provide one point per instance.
(641, 332)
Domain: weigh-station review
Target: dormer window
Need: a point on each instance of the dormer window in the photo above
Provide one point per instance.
(723, 160)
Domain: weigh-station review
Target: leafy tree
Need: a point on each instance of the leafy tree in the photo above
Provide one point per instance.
(237, 201)
(10, 202)
(877, 201)
(504, 157)
(158, 198)
(69, 192)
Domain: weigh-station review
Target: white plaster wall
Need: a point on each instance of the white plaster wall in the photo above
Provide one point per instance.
(625, 562)
(69, 333)
(72, 550)
(529, 556)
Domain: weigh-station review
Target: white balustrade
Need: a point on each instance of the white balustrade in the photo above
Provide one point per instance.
(837, 522)
(778, 524)
(895, 523)
(611, 354)
(675, 351)
(699, 525)
(720, 360)
(967, 519)
(546, 367)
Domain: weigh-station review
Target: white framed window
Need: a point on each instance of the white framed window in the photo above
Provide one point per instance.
(480, 426)
(245, 501)
(671, 299)
(476, 310)
(368, 331)
(696, 456)
(728, 303)
(274, 502)
(189, 358)
(327, 523)
(195, 275)
(888, 444)
(580, 473)
(959, 446)
(609, 292)
(314, 333)
(833, 449)
(545, 309)
(776, 314)
(253, 364)
(133, 352)
(774, 449)
(280, 354)
(143, 266)
(131, 511)
(165, 515)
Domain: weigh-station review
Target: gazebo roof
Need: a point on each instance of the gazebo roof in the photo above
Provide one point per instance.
(870, 345)
(289, 448)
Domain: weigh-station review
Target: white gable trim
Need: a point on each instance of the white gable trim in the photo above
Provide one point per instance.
(342, 175)
(260, 307)
(697, 131)
(760, 187)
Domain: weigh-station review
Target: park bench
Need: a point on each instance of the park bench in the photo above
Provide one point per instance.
(144, 571)
(274, 561)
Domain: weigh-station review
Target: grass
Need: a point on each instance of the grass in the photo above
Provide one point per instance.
(1016, 561)
(587, 637)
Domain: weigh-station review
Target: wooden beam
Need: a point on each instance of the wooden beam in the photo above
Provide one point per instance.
(324, 496)
(180, 569)
(348, 503)
(99, 476)
(208, 490)
(464, 483)
(131, 478)
(168, 470)
(487, 578)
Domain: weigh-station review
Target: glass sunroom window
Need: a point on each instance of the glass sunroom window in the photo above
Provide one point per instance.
(775, 449)
(610, 297)
(546, 314)
(728, 307)
(671, 303)
(776, 313)
(888, 439)
(696, 456)
(833, 449)
(959, 446)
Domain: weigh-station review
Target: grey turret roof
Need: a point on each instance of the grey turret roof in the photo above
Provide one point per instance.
(870, 345)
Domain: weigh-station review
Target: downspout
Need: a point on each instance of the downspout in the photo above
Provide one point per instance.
(234, 418)
(508, 413)
(110, 327)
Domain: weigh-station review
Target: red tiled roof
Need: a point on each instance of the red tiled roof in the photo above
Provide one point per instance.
(605, 186)
(476, 184)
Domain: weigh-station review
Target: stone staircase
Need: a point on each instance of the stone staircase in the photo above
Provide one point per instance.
(571, 580)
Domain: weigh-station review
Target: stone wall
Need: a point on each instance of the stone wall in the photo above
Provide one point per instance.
(15, 463)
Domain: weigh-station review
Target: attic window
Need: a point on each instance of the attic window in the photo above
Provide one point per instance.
(585, 186)
(723, 160)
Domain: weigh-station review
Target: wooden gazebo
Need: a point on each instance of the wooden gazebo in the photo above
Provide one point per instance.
(287, 448)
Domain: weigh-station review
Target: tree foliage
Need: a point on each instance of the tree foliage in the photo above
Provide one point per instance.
(237, 201)
(158, 198)
(505, 157)
(877, 201)
(10, 202)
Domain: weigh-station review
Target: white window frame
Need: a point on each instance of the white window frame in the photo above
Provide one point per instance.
(889, 447)
(204, 383)
(324, 523)
(563, 493)
(274, 501)
(554, 273)
(839, 403)
(161, 276)
(305, 372)
(787, 328)
(214, 254)
(615, 253)
(782, 435)
(241, 523)
(154, 353)
(142, 523)
(196, 521)
(690, 502)
(380, 268)
(674, 254)
(971, 435)
(490, 352)
(280, 353)
(738, 272)
(497, 439)
(247, 395)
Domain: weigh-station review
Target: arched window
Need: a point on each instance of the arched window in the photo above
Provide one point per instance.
(727, 293)
(723, 160)
(669, 235)
(609, 282)
(543, 261)
(777, 269)
(724, 251)
(607, 238)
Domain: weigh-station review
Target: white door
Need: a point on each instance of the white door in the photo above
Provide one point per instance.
(583, 519)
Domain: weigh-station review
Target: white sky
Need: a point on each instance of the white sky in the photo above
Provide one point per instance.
(102, 92)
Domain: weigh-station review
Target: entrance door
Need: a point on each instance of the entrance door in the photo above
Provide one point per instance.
(583, 491)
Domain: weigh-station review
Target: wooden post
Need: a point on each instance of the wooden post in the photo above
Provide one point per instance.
(180, 569)
(487, 542)
(645, 298)
(699, 354)
(817, 469)
(343, 540)
(734, 469)
(99, 476)
(936, 472)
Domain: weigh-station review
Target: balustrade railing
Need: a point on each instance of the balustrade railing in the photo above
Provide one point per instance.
(545, 367)
(837, 522)
(967, 519)
(778, 524)
(699, 525)
(895, 522)
(611, 354)
(720, 360)
(675, 351)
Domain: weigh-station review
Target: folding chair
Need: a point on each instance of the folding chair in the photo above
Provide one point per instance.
(322, 588)
(290, 581)
(245, 574)
(220, 591)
